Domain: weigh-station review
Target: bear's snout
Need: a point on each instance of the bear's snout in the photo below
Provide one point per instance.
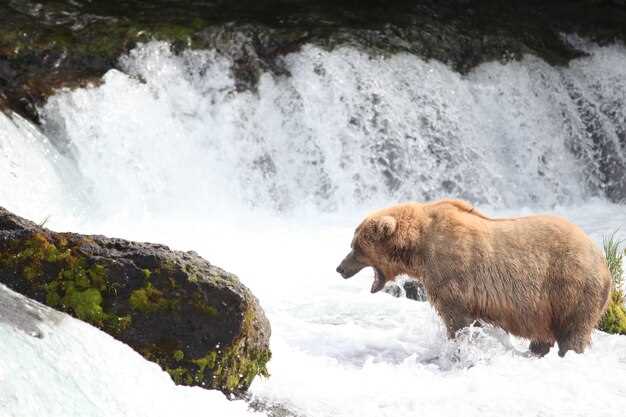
(342, 271)
(349, 266)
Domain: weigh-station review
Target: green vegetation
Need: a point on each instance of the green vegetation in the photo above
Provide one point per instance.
(202, 307)
(614, 320)
(148, 300)
(77, 285)
(238, 365)
(232, 368)
(178, 355)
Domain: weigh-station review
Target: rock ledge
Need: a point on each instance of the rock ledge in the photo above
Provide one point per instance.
(197, 321)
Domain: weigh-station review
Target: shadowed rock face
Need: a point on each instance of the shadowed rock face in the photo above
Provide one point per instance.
(194, 319)
(47, 45)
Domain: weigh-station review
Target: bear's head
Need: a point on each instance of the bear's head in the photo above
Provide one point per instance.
(383, 241)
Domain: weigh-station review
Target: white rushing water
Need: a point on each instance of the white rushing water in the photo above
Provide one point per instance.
(344, 131)
(270, 184)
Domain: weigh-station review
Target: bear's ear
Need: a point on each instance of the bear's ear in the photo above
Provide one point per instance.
(381, 227)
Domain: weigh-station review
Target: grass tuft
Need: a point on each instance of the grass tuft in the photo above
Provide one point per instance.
(614, 320)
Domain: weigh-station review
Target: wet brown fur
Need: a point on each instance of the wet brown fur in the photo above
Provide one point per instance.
(538, 277)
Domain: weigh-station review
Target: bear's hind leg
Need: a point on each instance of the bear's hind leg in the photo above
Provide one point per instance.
(576, 344)
(576, 340)
(539, 348)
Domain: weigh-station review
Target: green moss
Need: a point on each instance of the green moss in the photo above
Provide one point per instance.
(146, 273)
(68, 280)
(97, 43)
(117, 324)
(180, 376)
(168, 267)
(173, 32)
(233, 368)
(30, 273)
(14, 40)
(53, 299)
(178, 355)
(97, 276)
(78, 276)
(201, 306)
(87, 304)
(33, 253)
(57, 255)
(192, 274)
(148, 300)
(205, 362)
(230, 369)
(60, 37)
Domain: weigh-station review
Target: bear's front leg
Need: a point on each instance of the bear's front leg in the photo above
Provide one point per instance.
(540, 348)
(455, 318)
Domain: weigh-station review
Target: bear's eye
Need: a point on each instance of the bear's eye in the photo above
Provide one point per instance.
(358, 253)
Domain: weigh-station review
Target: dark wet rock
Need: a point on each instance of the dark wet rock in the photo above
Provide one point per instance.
(414, 290)
(393, 289)
(46, 45)
(408, 288)
(194, 319)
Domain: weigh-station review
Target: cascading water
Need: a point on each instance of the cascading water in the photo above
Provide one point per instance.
(343, 130)
(269, 184)
(29, 176)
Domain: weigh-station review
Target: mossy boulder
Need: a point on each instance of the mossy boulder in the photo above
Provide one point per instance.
(197, 321)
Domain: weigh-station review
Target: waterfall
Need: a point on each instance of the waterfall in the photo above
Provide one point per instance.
(344, 129)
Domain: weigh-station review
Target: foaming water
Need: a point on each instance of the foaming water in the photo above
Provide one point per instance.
(345, 130)
(270, 184)
(29, 179)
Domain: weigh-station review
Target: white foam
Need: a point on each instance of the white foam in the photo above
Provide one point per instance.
(344, 131)
(29, 179)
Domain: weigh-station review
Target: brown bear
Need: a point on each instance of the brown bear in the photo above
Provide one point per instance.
(537, 277)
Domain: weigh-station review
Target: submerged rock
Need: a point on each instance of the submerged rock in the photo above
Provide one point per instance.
(414, 290)
(197, 321)
(408, 288)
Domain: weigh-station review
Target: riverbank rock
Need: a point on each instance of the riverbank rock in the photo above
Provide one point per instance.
(45, 46)
(197, 321)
